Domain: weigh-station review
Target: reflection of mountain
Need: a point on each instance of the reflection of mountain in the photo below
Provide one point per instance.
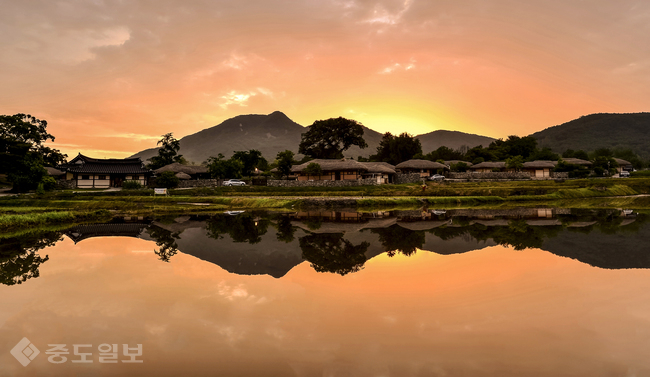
(621, 250)
(270, 256)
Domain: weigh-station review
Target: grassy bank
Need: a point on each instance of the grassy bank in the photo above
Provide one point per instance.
(25, 221)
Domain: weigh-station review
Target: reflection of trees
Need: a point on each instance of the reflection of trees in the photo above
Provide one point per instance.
(396, 238)
(244, 227)
(332, 253)
(285, 229)
(166, 242)
(19, 260)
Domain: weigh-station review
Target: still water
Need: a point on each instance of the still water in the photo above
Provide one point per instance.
(521, 292)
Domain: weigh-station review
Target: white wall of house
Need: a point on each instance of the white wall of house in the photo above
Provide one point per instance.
(93, 181)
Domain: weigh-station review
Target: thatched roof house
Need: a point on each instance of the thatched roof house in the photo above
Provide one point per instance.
(539, 168)
(488, 166)
(454, 162)
(576, 161)
(331, 169)
(193, 171)
(379, 167)
(54, 172)
(181, 175)
(424, 167)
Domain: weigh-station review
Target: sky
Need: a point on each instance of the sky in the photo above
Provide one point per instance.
(112, 76)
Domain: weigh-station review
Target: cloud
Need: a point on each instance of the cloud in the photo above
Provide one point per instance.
(235, 98)
(381, 15)
(397, 67)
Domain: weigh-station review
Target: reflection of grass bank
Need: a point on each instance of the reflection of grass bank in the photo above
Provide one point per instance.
(24, 221)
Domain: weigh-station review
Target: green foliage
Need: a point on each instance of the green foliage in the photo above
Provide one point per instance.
(49, 183)
(250, 160)
(221, 168)
(515, 162)
(132, 185)
(640, 173)
(313, 169)
(167, 179)
(544, 154)
(513, 146)
(575, 171)
(580, 154)
(22, 153)
(604, 164)
(329, 138)
(396, 149)
(459, 167)
(445, 154)
(479, 154)
(167, 153)
(285, 162)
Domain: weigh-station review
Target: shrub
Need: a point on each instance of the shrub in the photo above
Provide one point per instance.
(131, 185)
(49, 183)
(168, 180)
(640, 173)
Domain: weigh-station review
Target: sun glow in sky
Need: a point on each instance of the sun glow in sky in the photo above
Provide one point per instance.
(111, 76)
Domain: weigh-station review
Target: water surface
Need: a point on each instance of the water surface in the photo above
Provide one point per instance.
(528, 292)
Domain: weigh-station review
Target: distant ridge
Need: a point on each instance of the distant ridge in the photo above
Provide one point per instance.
(451, 139)
(603, 130)
(275, 132)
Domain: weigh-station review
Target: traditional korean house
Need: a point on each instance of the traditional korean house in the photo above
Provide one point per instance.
(539, 169)
(489, 166)
(331, 170)
(426, 168)
(577, 161)
(383, 172)
(104, 173)
(194, 172)
(623, 165)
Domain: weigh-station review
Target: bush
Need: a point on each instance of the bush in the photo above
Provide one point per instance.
(49, 183)
(640, 173)
(167, 180)
(131, 185)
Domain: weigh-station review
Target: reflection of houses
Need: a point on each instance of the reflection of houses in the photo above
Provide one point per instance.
(331, 170)
(194, 172)
(340, 221)
(425, 168)
(538, 169)
(104, 173)
(82, 232)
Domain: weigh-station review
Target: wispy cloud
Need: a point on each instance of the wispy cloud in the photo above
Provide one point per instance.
(397, 67)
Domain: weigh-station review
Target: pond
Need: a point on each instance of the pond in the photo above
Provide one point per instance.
(465, 292)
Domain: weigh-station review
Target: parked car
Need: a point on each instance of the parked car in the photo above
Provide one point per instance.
(624, 174)
(436, 177)
(234, 182)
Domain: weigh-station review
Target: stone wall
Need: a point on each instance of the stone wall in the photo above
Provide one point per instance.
(62, 184)
(490, 175)
(408, 178)
(560, 174)
(185, 183)
(345, 183)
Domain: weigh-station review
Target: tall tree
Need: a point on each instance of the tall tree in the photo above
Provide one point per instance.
(251, 160)
(221, 168)
(329, 138)
(167, 153)
(285, 162)
(22, 153)
(395, 149)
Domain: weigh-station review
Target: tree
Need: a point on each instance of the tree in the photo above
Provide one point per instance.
(329, 138)
(221, 168)
(285, 162)
(22, 153)
(444, 153)
(167, 179)
(514, 146)
(250, 160)
(396, 149)
(515, 162)
(167, 153)
(333, 253)
(313, 169)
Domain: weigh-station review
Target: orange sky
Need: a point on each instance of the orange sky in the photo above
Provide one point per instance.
(111, 77)
(491, 312)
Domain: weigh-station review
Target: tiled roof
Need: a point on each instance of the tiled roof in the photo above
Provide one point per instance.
(83, 164)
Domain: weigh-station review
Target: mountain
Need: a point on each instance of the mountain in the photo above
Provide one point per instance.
(451, 139)
(275, 132)
(600, 131)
